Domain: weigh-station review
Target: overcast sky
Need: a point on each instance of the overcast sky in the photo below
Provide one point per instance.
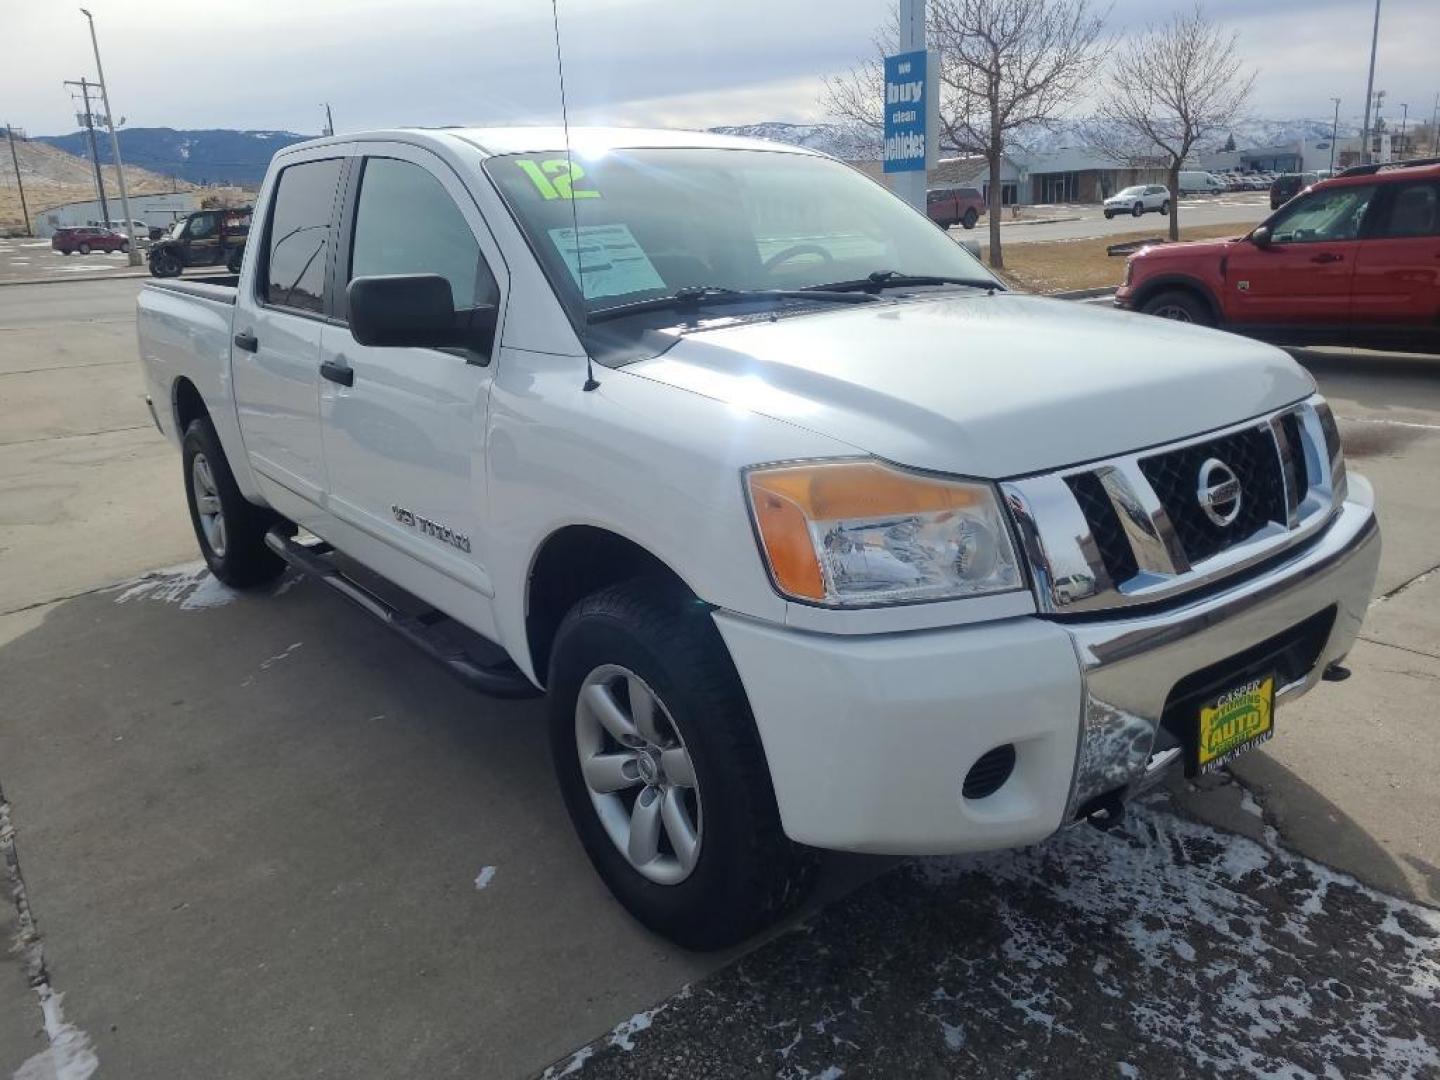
(269, 63)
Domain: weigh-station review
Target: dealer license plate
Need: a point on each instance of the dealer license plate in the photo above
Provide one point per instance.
(1239, 719)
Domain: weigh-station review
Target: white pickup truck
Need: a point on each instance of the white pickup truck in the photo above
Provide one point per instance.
(815, 535)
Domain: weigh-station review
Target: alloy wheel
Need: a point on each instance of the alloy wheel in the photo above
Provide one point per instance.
(207, 505)
(638, 774)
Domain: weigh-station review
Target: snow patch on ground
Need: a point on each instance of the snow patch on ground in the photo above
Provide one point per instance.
(622, 1037)
(69, 1055)
(483, 879)
(190, 585)
(266, 664)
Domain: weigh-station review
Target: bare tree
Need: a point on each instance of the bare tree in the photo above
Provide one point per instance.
(1171, 88)
(1005, 66)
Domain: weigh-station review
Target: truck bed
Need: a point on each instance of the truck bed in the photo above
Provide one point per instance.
(185, 329)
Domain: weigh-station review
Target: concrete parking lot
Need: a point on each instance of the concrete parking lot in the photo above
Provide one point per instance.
(25, 259)
(255, 836)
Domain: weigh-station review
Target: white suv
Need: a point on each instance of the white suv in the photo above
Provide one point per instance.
(1138, 200)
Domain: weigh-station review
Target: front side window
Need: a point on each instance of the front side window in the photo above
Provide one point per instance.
(1414, 211)
(202, 226)
(655, 220)
(300, 234)
(1324, 216)
(407, 223)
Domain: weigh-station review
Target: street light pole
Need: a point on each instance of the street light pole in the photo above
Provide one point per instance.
(115, 144)
(1334, 130)
(1369, 90)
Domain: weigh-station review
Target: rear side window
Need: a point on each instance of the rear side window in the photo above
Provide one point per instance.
(300, 235)
(407, 223)
(1414, 211)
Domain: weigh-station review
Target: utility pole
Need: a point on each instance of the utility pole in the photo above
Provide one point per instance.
(1404, 121)
(24, 210)
(94, 150)
(115, 145)
(1334, 130)
(1369, 90)
(329, 120)
(1435, 127)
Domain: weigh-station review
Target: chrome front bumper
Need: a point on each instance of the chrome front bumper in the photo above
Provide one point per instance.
(1130, 665)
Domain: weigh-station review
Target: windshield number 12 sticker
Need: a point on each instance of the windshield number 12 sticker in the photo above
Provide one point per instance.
(557, 179)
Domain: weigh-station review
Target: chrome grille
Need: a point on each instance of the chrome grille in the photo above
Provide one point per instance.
(1255, 460)
(1132, 529)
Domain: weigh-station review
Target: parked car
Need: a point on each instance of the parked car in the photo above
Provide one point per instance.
(1138, 200)
(813, 534)
(87, 238)
(1195, 182)
(1288, 185)
(204, 238)
(141, 231)
(955, 206)
(1352, 260)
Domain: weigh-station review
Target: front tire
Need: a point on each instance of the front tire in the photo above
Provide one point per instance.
(229, 529)
(164, 264)
(968, 221)
(1179, 306)
(1137, 210)
(662, 771)
(1165, 208)
(125, 247)
(1109, 214)
(84, 249)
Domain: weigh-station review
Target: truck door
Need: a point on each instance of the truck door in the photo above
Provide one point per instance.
(404, 428)
(1397, 277)
(279, 313)
(1300, 282)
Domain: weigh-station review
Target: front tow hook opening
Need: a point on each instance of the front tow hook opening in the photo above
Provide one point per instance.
(1104, 811)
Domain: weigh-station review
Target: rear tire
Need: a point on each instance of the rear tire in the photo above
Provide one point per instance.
(1165, 208)
(125, 247)
(84, 249)
(1109, 214)
(647, 641)
(229, 529)
(1137, 210)
(1179, 306)
(968, 221)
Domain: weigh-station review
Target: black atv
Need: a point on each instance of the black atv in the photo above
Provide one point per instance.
(205, 238)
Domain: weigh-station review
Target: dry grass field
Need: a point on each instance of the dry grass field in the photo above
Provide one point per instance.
(1062, 265)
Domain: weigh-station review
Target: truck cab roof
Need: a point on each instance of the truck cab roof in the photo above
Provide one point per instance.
(493, 141)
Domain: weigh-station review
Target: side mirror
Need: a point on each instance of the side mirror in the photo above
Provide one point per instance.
(415, 311)
(1261, 237)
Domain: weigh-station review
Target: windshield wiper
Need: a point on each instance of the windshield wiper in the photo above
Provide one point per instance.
(695, 296)
(894, 279)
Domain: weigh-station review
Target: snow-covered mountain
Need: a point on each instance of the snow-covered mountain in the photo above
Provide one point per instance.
(849, 144)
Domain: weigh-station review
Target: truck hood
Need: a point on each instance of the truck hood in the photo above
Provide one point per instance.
(984, 385)
(1187, 249)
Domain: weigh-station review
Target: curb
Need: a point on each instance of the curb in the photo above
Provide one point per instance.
(1039, 221)
(1082, 294)
(120, 275)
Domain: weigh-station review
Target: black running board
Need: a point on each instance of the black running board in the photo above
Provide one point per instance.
(502, 681)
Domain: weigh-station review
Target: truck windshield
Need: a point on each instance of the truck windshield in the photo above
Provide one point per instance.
(653, 221)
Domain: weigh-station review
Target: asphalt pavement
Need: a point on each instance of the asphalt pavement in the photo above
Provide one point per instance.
(1084, 222)
(256, 836)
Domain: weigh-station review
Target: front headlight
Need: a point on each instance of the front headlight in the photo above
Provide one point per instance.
(858, 533)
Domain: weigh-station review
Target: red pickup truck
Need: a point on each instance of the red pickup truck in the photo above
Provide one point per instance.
(1354, 260)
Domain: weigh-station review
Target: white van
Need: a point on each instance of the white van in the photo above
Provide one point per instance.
(1201, 183)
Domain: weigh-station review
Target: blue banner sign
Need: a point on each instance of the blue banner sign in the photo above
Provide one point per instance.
(905, 135)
